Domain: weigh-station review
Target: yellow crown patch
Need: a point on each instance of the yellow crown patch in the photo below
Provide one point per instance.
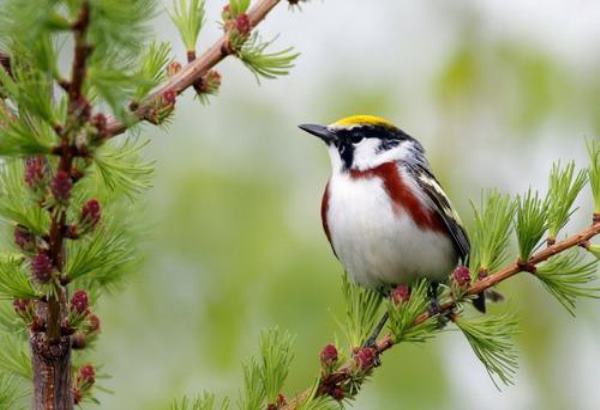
(358, 120)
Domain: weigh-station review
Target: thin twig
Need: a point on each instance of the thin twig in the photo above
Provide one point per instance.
(387, 341)
(193, 71)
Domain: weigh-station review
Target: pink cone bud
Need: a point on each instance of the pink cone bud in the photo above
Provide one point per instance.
(61, 186)
(41, 267)
(99, 121)
(400, 294)
(36, 172)
(24, 239)
(462, 276)
(80, 302)
(90, 214)
(328, 356)
(169, 97)
(87, 374)
(242, 24)
(365, 358)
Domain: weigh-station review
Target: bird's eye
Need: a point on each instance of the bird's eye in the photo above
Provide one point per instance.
(356, 137)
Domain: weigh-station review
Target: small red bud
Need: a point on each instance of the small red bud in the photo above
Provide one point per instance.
(41, 267)
(78, 341)
(80, 302)
(61, 186)
(337, 393)
(243, 25)
(400, 294)
(94, 324)
(329, 355)
(24, 239)
(99, 121)
(87, 374)
(36, 172)
(90, 214)
(462, 276)
(365, 358)
(169, 97)
(173, 68)
(21, 306)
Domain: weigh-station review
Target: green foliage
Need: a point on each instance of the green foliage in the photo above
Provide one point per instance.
(491, 233)
(263, 64)
(568, 276)
(403, 316)
(14, 357)
(593, 148)
(14, 280)
(276, 353)
(237, 7)
(254, 392)
(104, 258)
(153, 70)
(189, 19)
(320, 403)
(205, 401)
(20, 136)
(16, 203)
(362, 312)
(10, 393)
(564, 186)
(113, 79)
(490, 337)
(10, 323)
(530, 224)
(122, 167)
(31, 88)
(264, 378)
(118, 24)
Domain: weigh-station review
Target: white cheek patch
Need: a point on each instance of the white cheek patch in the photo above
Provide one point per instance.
(367, 154)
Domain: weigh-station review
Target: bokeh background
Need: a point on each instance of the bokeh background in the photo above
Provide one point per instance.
(495, 89)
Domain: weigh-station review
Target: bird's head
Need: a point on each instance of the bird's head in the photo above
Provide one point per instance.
(363, 142)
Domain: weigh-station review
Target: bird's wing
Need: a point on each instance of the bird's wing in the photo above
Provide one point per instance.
(441, 204)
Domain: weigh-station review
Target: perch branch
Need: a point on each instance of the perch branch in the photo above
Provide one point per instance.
(387, 341)
(193, 71)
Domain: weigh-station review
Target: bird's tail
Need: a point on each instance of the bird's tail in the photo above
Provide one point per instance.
(480, 301)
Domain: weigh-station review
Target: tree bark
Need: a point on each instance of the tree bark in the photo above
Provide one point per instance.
(51, 373)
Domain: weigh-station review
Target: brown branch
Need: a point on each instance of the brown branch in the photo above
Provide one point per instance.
(51, 352)
(387, 341)
(193, 71)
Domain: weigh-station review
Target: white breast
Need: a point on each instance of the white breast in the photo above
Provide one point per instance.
(377, 244)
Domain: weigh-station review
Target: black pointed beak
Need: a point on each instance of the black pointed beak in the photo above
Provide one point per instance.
(319, 131)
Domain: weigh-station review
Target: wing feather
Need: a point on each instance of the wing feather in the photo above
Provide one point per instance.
(442, 205)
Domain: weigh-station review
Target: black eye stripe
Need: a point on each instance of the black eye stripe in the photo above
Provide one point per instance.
(387, 145)
(356, 134)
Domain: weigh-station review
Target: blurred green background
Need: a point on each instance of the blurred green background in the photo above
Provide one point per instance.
(495, 90)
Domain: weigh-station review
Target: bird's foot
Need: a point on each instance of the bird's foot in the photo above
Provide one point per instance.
(372, 340)
(434, 305)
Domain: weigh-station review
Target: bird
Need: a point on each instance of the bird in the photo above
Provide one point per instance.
(386, 216)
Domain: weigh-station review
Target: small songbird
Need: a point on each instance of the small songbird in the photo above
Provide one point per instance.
(386, 216)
